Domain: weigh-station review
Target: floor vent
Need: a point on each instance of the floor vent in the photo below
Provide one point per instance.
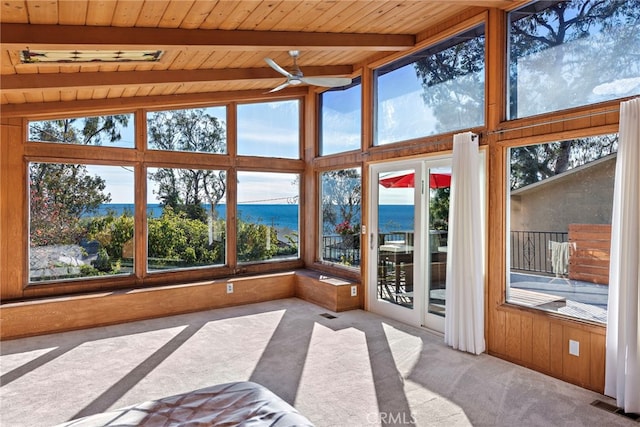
(328, 316)
(614, 409)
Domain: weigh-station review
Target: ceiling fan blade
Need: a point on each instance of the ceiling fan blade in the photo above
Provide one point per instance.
(282, 86)
(276, 67)
(327, 81)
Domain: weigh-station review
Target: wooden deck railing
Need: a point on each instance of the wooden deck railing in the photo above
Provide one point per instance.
(589, 257)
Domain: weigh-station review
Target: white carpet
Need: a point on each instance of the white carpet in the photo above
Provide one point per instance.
(358, 369)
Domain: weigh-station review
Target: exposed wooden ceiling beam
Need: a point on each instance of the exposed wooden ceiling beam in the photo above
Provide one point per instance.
(52, 110)
(501, 4)
(23, 36)
(22, 82)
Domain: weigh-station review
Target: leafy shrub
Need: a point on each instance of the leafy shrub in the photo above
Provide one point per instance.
(176, 237)
(112, 232)
(256, 241)
(102, 262)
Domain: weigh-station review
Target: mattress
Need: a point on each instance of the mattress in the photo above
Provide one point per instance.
(233, 404)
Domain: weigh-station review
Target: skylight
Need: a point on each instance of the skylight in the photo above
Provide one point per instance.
(66, 56)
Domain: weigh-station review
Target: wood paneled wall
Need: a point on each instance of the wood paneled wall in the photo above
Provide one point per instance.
(12, 219)
(540, 341)
(533, 338)
(38, 317)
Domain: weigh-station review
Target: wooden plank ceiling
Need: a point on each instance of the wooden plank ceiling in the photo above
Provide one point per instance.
(208, 46)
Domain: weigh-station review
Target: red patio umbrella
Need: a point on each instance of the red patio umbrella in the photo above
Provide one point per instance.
(439, 180)
(436, 180)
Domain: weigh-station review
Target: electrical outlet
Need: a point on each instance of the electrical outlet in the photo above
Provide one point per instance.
(229, 288)
(574, 348)
(354, 291)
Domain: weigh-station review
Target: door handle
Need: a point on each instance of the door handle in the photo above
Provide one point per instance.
(371, 241)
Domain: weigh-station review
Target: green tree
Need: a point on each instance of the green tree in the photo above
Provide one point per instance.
(174, 239)
(557, 24)
(533, 163)
(185, 190)
(439, 209)
(112, 232)
(453, 81)
(341, 199)
(561, 31)
(256, 241)
(60, 194)
(83, 131)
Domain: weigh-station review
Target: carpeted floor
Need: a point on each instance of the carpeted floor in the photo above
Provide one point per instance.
(357, 369)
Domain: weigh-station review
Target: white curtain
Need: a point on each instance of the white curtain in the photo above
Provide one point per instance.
(464, 320)
(622, 375)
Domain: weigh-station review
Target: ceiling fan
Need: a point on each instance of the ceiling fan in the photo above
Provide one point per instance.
(295, 77)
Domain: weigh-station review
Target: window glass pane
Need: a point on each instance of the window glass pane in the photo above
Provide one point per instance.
(572, 53)
(340, 119)
(186, 225)
(437, 90)
(340, 216)
(561, 202)
(200, 130)
(268, 216)
(269, 129)
(81, 221)
(107, 131)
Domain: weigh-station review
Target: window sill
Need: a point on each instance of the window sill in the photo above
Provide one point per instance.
(514, 307)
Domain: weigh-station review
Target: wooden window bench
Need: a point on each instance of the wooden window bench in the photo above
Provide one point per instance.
(58, 314)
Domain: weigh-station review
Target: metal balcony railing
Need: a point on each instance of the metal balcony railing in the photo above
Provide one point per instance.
(341, 249)
(530, 250)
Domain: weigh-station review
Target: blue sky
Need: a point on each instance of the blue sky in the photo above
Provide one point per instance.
(341, 120)
(269, 129)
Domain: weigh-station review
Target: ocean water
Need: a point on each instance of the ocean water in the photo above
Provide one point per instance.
(392, 217)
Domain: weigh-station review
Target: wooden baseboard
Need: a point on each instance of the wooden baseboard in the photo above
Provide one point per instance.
(50, 315)
(44, 316)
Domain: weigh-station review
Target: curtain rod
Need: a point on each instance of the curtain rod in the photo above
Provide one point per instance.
(393, 147)
(549, 122)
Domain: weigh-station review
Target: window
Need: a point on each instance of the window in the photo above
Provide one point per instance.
(269, 129)
(198, 130)
(82, 211)
(80, 221)
(186, 224)
(340, 119)
(560, 208)
(109, 131)
(340, 199)
(268, 216)
(436, 90)
(564, 54)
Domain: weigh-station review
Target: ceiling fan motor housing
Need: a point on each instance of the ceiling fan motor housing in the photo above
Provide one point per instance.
(295, 76)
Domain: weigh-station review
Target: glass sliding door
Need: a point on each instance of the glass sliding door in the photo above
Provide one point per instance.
(409, 240)
(408, 234)
(395, 217)
(437, 207)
